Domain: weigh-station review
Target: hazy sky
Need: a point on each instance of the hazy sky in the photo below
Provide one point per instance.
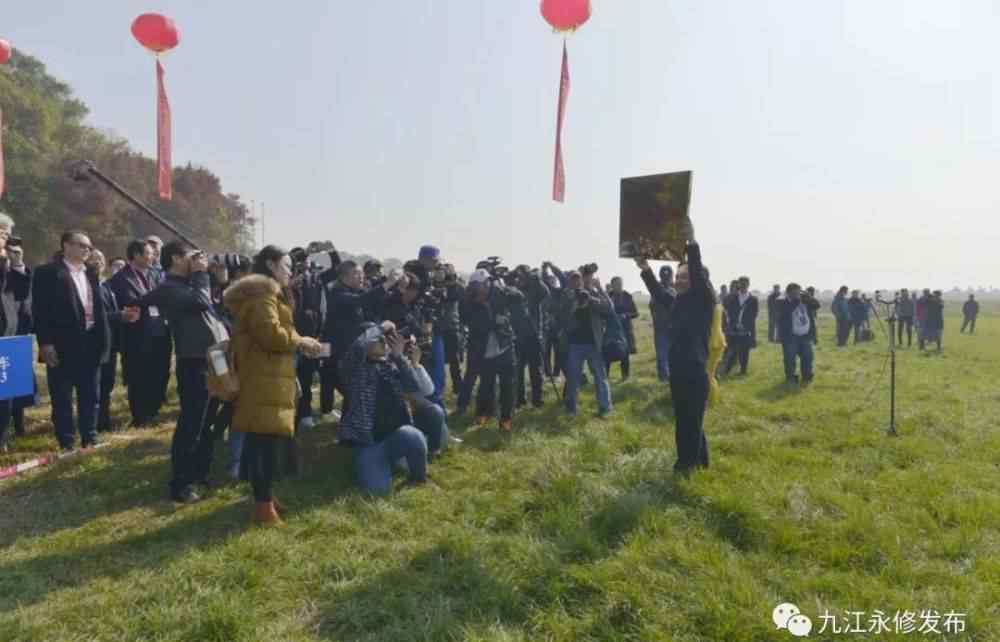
(831, 142)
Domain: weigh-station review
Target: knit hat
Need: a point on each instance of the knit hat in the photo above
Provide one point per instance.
(429, 252)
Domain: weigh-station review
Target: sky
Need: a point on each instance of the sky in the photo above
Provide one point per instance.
(836, 142)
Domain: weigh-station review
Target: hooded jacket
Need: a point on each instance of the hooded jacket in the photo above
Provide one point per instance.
(264, 343)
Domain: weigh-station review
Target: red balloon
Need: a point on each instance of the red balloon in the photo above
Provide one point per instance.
(566, 15)
(5, 52)
(155, 32)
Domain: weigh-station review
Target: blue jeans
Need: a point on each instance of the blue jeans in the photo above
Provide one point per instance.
(576, 355)
(661, 341)
(798, 347)
(85, 379)
(373, 464)
(438, 369)
(429, 418)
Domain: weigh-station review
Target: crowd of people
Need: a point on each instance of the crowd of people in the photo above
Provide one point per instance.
(388, 344)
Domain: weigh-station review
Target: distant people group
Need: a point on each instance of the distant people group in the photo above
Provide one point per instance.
(387, 344)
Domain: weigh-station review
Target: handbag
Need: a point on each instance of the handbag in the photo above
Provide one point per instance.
(222, 380)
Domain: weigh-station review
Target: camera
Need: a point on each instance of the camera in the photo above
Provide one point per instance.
(232, 262)
(494, 265)
(589, 268)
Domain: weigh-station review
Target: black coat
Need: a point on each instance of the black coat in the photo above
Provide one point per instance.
(496, 315)
(59, 316)
(187, 305)
(347, 311)
(745, 325)
(785, 320)
(129, 289)
(690, 316)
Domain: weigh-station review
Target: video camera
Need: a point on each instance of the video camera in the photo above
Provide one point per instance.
(305, 263)
(232, 262)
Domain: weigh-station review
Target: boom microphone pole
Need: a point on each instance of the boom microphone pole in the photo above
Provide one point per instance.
(84, 169)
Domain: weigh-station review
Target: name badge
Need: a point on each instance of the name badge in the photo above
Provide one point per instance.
(154, 312)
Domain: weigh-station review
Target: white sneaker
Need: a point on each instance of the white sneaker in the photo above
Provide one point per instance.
(333, 416)
(307, 423)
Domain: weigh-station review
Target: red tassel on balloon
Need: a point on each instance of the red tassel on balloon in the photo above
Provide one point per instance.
(164, 180)
(159, 34)
(559, 177)
(565, 16)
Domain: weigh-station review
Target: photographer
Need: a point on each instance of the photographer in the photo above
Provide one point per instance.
(310, 306)
(551, 356)
(691, 313)
(15, 289)
(348, 307)
(584, 312)
(530, 326)
(185, 299)
(377, 422)
(488, 313)
(741, 309)
(624, 306)
(373, 274)
(450, 325)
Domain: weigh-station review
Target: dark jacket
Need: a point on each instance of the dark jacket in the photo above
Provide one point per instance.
(347, 310)
(857, 309)
(625, 308)
(187, 306)
(661, 312)
(531, 322)
(690, 317)
(496, 315)
(935, 314)
(15, 290)
(114, 314)
(599, 306)
(741, 321)
(59, 316)
(786, 310)
(309, 306)
(772, 304)
(970, 309)
(129, 288)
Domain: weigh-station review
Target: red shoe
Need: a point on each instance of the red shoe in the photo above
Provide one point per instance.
(506, 425)
(265, 515)
(482, 420)
(278, 507)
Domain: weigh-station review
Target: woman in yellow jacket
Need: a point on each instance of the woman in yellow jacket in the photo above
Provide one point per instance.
(264, 345)
(716, 346)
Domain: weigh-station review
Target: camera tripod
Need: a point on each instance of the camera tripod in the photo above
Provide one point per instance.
(890, 306)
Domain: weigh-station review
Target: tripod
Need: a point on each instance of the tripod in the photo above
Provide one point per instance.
(890, 306)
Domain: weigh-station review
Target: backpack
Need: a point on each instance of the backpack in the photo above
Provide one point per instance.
(615, 345)
(222, 359)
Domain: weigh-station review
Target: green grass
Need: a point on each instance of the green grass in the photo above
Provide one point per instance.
(562, 531)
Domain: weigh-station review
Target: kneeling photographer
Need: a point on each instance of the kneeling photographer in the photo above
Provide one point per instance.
(489, 309)
(377, 422)
(410, 308)
(583, 314)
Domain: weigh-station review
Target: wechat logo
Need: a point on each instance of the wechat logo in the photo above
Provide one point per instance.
(788, 616)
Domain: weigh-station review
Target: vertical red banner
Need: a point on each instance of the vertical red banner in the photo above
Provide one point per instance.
(163, 162)
(1, 153)
(559, 177)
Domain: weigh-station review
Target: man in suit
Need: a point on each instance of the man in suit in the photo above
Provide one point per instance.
(741, 332)
(141, 342)
(116, 317)
(73, 338)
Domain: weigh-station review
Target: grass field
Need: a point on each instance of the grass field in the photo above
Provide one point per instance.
(562, 531)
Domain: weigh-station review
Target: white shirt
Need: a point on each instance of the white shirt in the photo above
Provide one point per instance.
(82, 285)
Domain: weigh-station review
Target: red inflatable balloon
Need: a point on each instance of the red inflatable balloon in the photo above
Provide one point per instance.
(155, 32)
(5, 52)
(566, 15)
